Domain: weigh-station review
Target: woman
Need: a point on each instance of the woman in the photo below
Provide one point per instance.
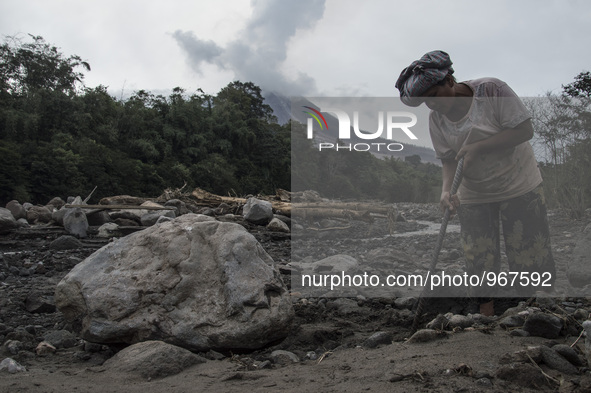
(485, 122)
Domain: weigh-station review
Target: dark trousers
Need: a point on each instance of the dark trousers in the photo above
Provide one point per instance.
(524, 224)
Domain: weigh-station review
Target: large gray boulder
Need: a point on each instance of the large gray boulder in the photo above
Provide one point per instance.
(7, 221)
(193, 282)
(17, 210)
(152, 217)
(38, 215)
(75, 222)
(257, 211)
(153, 359)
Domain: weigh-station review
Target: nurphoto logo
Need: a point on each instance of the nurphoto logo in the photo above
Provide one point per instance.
(394, 122)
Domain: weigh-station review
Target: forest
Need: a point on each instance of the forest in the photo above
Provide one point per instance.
(61, 138)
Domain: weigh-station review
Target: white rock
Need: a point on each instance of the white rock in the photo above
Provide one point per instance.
(7, 220)
(257, 211)
(11, 366)
(278, 226)
(194, 282)
(107, 230)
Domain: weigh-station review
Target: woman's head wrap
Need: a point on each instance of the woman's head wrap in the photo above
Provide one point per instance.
(418, 77)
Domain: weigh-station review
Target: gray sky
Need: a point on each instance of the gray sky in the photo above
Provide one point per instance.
(309, 47)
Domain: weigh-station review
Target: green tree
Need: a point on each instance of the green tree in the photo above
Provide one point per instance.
(581, 87)
(29, 66)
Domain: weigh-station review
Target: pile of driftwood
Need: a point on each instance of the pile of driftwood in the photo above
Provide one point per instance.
(307, 205)
(285, 202)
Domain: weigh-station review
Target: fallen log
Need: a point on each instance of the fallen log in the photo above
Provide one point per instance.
(113, 207)
(123, 200)
(204, 198)
(212, 200)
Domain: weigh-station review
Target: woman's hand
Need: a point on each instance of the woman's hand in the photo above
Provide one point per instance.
(451, 202)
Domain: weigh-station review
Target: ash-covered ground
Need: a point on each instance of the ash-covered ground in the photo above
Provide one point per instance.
(353, 343)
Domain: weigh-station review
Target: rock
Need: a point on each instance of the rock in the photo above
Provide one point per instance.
(11, 366)
(335, 264)
(579, 267)
(263, 364)
(311, 355)
(26, 338)
(44, 348)
(555, 361)
(482, 319)
(208, 212)
(38, 303)
(92, 347)
(522, 374)
(278, 226)
(534, 353)
(257, 211)
(569, 354)
(407, 302)
(38, 215)
(75, 222)
(512, 321)
(519, 309)
(60, 338)
(58, 216)
(153, 360)
(345, 307)
(425, 335)
(108, 230)
(194, 282)
(460, 321)
(137, 214)
(152, 217)
(519, 333)
(306, 196)
(122, 200)
(180, 206)
(378, 338)
(440, 322)
(162, 219)
(125, 222)
(125, 215)
(98, 218)
(284, 357)
(547, 302)
(543, 325)
(485, 382)
(283, 218)
(580, 314)
(223, 209)
(7, 221)
(23, 223)
(13, 346)
(56, 203)
(214, 355)
(65, 242)
(17, 210)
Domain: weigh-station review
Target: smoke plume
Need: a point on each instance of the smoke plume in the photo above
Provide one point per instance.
(257, 55)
